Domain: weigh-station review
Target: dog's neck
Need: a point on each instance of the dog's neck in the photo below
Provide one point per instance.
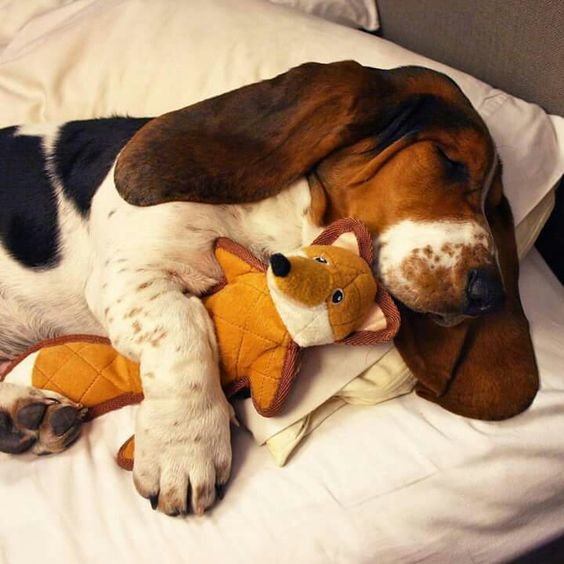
(281, 223)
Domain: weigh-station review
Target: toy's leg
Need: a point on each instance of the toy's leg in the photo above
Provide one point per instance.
(42, 421)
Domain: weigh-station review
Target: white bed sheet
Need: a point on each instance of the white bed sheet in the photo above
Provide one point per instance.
(402, 481)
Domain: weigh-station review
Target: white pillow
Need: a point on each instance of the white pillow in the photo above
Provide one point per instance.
(352, 13)
(14, 14)
(146, 57)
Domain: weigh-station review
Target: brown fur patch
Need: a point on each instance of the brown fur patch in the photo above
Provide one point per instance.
(304, 115)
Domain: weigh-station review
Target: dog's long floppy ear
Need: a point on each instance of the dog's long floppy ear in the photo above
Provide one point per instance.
(483, 368)
(251, 143)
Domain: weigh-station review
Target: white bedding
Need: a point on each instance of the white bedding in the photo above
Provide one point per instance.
(145, 57)
(403, 481)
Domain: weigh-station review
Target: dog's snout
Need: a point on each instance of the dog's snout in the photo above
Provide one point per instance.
(484, 291)
(281, 266)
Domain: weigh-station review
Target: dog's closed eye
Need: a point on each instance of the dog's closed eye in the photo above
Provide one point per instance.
(454, 169)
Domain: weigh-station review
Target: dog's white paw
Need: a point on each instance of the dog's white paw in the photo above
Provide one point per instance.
(182, 453)
(40, 420)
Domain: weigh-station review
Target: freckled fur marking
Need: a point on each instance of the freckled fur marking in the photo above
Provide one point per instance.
(145, 285)
(133, 311)
(159, 336)
(434, 279)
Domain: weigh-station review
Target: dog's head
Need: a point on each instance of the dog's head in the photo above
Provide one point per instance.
(402, 150)
(421, 186)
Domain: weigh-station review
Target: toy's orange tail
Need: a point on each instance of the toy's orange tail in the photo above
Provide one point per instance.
(88, 371)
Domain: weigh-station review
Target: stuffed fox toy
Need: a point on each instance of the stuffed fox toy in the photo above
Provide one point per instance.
(263, 316)
(317, 295)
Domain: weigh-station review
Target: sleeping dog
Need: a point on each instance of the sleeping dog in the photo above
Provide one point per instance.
(107, 226)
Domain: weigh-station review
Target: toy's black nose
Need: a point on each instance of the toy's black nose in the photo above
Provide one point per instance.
(484, 291)
(281, 266)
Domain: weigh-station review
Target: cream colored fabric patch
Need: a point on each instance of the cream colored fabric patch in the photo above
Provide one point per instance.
(386, 379)
(528, 230)
(323, 373)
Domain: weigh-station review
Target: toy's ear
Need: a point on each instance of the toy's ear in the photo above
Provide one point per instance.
(349, 242)
(350, 234)
(380, 325)
(235, 260)
(375, 320)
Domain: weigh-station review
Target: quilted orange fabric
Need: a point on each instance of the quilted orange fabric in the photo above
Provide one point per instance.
(88, 371)
(256, 349)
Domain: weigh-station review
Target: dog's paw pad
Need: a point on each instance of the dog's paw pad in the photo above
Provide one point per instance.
(30, 416)
(60, 428)
(12, 439)
(42, 421)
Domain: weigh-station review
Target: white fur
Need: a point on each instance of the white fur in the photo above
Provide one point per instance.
(399, 241)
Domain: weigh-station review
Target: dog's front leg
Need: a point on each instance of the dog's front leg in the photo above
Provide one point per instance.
(182, 436)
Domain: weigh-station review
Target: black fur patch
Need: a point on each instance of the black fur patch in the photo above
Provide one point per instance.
(85, 152)
(28, 207)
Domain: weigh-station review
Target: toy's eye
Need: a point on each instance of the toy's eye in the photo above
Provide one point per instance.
(322, 260)
(338, 296)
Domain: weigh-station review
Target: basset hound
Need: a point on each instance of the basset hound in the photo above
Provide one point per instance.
(107, 225)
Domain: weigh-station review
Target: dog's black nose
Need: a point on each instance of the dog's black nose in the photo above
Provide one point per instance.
(281, 266)
(484, 291)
